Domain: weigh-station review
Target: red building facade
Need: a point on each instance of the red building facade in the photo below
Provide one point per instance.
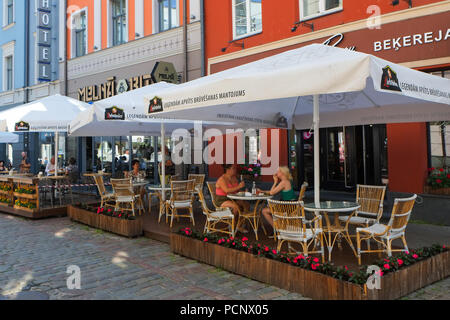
(413, 33)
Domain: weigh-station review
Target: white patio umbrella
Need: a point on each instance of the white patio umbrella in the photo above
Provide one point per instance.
(8, 137)
(50, 114)
(122, 115)
(276, 92)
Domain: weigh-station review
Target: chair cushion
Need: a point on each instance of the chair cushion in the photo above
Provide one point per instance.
(297, 236)
(357, 220)
(222, 214)
(124, 198)
(181, 204)
(376, 228)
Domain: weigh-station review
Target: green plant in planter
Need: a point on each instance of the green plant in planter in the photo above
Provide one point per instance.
(25, 204)
(5, 187)
(25, 190)
(438, 178)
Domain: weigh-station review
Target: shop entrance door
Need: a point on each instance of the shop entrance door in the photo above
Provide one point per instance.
(338, 157)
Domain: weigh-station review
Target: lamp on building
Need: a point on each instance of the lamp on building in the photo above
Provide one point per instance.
(235, 44)
(305, 24)
(396, 2)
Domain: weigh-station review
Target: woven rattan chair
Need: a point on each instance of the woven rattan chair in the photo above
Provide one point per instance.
(212, 192)
(385, 234)
(217, 217)
(199, 181)
(181, 197)
(107, 198)
(370, 198)
(125, 197)
(301, 195)
(290, 226)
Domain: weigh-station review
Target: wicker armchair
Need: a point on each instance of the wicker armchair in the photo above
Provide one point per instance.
(290, 226)
(107, 198)
(385, 234)
(212, 192)
(214, 218)
(371, 200)
(125, 197)
(199, 181)
(182, 193)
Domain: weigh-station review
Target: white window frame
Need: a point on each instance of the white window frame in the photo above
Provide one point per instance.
(7, 51)
(5, 23)
(322, 11)
(73, 16)
(248, 34)
(109, 23)
(157, 16)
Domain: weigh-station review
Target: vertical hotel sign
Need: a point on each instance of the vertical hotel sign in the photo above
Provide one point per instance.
(44, 40)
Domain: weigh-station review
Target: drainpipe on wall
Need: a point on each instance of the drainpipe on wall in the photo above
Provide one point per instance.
(65, 50)
(26, 69)
(202, 19)
(185, 39)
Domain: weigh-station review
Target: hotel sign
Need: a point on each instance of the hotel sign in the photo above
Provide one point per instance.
(44, 40)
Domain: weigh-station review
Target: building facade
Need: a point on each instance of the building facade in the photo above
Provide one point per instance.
(413, 33)
(115, 46)
(30, 53)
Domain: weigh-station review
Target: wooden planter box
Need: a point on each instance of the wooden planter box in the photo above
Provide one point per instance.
(26, 209)
(440, 191)
(309, 283)
(25, 196)
(5, 204)
(127, 228)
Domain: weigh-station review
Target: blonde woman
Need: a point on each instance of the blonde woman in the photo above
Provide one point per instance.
(282, 186)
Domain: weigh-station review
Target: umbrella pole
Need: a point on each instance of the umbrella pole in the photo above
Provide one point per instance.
(316, 120)
(56, 152)
(163, 161)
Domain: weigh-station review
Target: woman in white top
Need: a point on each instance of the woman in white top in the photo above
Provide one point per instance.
(50, 169)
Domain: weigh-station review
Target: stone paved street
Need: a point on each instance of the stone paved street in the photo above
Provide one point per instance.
(34, 256)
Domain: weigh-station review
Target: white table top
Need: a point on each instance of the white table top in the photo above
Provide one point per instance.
(333, 206)
(140, 183)
(158, 188)
(249, 197)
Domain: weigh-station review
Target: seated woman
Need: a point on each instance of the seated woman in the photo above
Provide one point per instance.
(229, 184)
(282, 187)
(50, 169)
(2, 166)
(135, 170)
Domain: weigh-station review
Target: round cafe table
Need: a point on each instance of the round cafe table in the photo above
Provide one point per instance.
(157, 191)
(339, 231)
(252, 217)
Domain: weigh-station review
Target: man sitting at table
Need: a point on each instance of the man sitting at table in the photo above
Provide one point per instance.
(229, 184)
(25, 165)
(50, 169)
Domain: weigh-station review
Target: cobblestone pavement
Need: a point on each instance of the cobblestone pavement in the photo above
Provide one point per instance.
(34, 256)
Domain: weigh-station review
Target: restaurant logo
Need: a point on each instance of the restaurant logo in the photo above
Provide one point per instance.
(389, 80)
(281, 121)
(22, 126)
(155, 105)
(114, 113)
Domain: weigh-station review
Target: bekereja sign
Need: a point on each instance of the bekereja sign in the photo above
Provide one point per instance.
(114, 113)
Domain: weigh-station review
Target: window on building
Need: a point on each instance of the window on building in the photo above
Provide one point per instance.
(119, 21)
(10, 12)
(247, 18)
(440, 136)
(80, 38)
(168, 14)
(314, 8)
(9, 73)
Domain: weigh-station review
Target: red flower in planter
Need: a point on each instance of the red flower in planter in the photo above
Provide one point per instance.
(274, 251)
(380, 273)
(438, 181)
(400, 262)
(244, 244)
(233, 243)
(205, 240)
(345, 267)
(415, 256)
(228, 240)
(448, 175)
(433, 168)
(244, 239)
(301, 257)
(266, 249)
(441, 169)
(386, 266)
(314, 266)
(316, 260)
